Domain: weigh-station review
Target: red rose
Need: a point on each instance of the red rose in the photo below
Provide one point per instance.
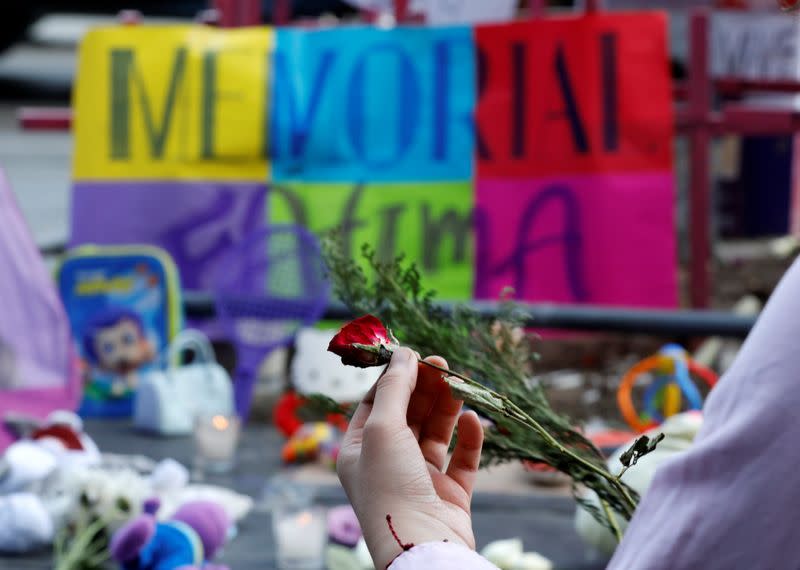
(364, 342)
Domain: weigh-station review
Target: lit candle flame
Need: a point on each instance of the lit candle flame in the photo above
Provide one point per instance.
(304, 519)
(219, 422)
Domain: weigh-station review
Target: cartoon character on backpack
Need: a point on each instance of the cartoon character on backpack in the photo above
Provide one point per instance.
(116, 346)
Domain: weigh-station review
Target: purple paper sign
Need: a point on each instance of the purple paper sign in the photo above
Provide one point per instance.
(604, 239)
(196, 222)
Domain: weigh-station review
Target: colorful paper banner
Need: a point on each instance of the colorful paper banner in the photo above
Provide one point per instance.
(535, 154)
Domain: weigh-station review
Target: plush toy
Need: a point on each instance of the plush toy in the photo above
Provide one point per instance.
(673, 387)
(343, 526)
(314, 370)
(28, 520)
(25, 524)
(58, 442)
(316, 440)
(317, 371)
(188, 541)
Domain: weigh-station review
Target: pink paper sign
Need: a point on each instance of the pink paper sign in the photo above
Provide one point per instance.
(600, 239)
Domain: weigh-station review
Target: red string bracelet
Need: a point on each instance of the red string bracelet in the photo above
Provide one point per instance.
(405, 547)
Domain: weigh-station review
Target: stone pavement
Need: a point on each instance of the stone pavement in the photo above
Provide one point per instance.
(506, 504)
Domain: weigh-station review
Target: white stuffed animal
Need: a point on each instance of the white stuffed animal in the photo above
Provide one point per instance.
(30, 509)
(25, 523)
(58, 443)
(169, 481)
(679, 431)
(42, 479)
(317, 371)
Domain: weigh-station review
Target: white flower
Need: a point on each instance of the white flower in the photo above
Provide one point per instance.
(503, 553)
(533, 561)
(111, 495)
(508, 555)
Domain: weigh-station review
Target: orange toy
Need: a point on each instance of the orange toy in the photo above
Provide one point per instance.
(673, 368)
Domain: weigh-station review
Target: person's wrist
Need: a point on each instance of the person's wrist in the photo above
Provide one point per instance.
(389, 538)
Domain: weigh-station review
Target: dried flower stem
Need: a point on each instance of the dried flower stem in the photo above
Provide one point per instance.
(611, 520)
(526, 425)
(512, 412)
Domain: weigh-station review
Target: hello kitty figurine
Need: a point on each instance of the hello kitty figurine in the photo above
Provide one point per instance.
(314, 370)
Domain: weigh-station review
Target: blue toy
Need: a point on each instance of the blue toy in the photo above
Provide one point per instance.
(188, 541)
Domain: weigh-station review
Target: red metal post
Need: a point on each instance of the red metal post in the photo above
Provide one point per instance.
(538, 8)
(593, 6)
(45, 118)
(700, 113)
(369, 16)
(282, 12)
(400, 11)
(227, 13)
(251, 12)
(235, 13)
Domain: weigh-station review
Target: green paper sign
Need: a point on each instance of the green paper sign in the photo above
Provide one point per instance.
(429, 222)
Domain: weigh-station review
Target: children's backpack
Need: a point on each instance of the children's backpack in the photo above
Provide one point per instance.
(124, 307)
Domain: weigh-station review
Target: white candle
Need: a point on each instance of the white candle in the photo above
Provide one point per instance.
(216, 438)
(300, 537)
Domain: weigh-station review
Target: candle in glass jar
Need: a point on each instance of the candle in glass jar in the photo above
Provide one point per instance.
(216, 438)
(301, 537)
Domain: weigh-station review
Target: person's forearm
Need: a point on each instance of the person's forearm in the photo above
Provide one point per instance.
(730, 501)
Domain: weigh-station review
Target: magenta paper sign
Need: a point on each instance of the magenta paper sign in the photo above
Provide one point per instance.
(605, 239)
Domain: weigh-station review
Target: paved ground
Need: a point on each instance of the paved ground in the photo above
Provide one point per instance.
(541, 517)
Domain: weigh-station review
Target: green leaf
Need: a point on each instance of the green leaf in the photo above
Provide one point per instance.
(476, 396)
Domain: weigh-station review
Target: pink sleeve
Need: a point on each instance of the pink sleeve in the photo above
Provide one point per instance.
(731, 501)
(442, 556)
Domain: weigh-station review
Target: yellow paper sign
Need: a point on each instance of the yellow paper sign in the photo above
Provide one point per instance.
(162, 102)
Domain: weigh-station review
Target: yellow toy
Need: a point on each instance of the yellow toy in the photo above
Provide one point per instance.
(316, 440)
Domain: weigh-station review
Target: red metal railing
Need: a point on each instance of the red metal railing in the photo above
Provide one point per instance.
(696, 116)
